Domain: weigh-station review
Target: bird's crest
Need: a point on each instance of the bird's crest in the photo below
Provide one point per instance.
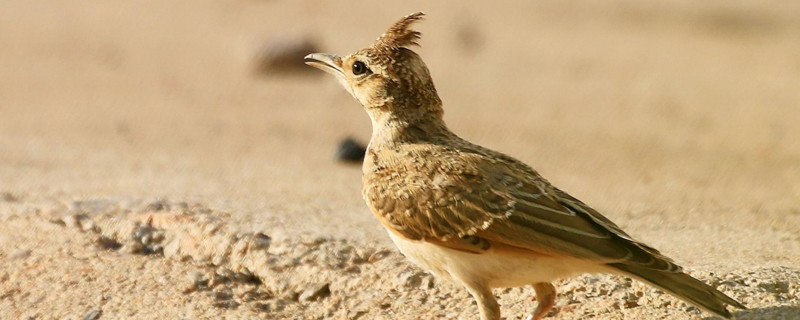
(399, 35)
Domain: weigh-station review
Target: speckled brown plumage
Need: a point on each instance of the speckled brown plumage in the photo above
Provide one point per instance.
(466, 212)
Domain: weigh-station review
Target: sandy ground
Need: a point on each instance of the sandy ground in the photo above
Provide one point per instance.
(147, 171)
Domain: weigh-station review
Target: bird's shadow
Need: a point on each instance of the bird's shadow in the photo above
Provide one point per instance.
(765, 313)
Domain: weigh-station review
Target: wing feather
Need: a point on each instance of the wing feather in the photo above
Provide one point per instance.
(506, 202)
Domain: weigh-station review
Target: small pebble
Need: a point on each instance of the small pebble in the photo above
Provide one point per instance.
(72, 220)
(93, 315)
(284, 55)
(132, 247)
(9, 197)
(20, 254)
(260, 241)
(158, 205)
(87, 225)
(350, 150)
(417, 279)
(107, 243)
(315, 292)
(196, 281)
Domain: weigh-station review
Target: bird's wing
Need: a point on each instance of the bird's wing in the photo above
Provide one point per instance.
(449, 202)
(506, 203)
(568, 226)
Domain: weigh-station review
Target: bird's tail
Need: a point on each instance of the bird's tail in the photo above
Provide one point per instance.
(683, 286)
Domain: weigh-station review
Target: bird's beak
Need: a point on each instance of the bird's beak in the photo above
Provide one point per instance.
(329, 63)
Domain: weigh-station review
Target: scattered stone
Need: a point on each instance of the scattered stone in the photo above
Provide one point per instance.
(73, 220)
(352, 269)
(222, 295)
(284, 55)
(417, 279)
(87, 225)
(172, 249)
(775, 287)
(260, 241)
(630, 301)
(315, 292)
(226, 304)
(357, 314)
(106, 243)
(93, 315)
(58, 221)
(20, 254)
(265, 307)
(350, 150)
(9, 197)
(132, 247)
(378, 255)
(150, 238)
(156, 206)
(196, 281)
(30, 315)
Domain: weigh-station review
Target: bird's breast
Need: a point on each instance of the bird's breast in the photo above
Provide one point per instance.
(495, 269)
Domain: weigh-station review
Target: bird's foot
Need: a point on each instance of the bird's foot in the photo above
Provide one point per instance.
(546, 295)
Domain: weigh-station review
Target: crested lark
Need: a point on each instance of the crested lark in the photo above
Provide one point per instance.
(477, 216)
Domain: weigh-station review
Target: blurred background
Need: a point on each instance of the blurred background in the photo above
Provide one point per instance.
(677, 119)
(650, 111)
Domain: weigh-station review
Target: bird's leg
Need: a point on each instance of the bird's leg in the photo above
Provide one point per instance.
(487, 304)
(546, 295)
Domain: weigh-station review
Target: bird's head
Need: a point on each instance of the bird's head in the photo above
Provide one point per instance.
(389, 79)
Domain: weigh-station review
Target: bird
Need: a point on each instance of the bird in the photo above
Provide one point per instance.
(473, 215)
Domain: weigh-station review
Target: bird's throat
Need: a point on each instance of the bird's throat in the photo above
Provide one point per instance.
(392, 130)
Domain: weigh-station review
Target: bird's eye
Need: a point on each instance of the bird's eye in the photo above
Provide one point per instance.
(359, 68)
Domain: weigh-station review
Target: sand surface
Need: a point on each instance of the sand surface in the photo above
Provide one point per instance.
(148, 171)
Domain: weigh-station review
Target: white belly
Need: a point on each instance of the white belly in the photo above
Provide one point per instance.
(491, 269)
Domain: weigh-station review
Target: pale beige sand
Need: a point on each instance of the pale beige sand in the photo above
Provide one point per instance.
(678, 120)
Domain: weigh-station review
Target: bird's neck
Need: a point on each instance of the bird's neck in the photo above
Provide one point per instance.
(419, 125)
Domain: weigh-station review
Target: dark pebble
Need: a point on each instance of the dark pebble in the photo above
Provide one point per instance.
(350, 151)
(93, 315)
(284, 55)
(107, 243)
(315, 292)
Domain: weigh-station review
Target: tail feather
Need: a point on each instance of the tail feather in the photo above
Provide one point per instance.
(683, 286)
